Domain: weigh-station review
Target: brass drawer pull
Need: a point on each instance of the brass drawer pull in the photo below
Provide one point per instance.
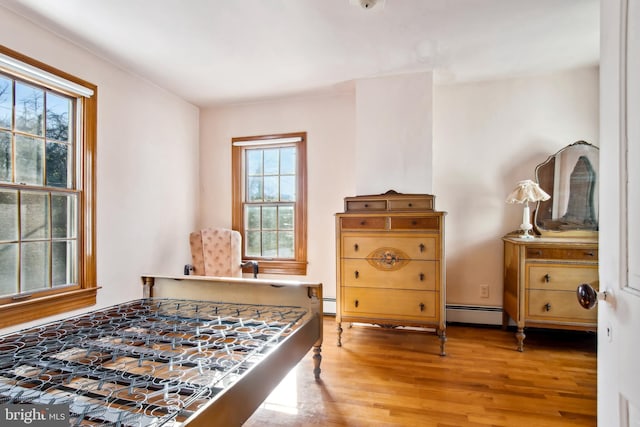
(421, 306)
(422, 277)
(357, 303)
(410, 205)
(414, 222)
(547, 307)
(357, 274)
(356, 247)
(547, 278)
(589, 253)
(363, 222)
(422, 247)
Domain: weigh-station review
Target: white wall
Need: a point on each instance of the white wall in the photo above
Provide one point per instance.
(394, 134)
(329, 122)
(488, 136)
(147, 164)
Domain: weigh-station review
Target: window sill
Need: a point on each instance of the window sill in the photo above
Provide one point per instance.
(37, 308)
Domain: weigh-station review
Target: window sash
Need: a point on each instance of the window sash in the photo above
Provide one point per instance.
(291, 258)
(80, 186)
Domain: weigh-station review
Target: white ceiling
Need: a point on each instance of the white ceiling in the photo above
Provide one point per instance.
(212, 52)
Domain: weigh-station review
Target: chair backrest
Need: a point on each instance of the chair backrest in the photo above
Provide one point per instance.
(216, 252)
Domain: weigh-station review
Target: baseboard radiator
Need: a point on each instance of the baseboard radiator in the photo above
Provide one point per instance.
(473, 314)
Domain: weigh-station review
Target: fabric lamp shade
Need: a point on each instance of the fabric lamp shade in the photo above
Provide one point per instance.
(527, 191)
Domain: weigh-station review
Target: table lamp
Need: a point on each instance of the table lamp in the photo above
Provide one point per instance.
(527, 191)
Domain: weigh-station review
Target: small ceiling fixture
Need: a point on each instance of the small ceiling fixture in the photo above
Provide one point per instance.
(368, 4)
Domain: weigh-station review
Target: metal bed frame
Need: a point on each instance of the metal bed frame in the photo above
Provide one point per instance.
(208, 357)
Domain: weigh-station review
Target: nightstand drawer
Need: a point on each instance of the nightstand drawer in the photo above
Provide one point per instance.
(417, 223)
(566, 277)
(403, 274)
(388, 304)
(364, 223)
(567, 253)
(383, 245)
(557, 306)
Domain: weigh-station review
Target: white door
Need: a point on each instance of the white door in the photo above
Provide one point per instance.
(619, 254)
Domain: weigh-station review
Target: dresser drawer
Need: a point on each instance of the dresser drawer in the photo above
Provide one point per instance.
(366, 205)
(364, 223)
(561, 277)
(411, 204)
(563, 253)
(377, 246)
(403, 274)
(559, 306)
(417, 223)
(389, 304)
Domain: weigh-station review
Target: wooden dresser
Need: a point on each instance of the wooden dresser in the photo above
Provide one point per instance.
(541, 276)
(390, 262)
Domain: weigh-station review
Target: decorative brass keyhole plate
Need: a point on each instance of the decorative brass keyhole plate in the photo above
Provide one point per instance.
(388, 259)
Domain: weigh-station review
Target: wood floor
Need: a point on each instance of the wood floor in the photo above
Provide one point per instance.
(391, 378)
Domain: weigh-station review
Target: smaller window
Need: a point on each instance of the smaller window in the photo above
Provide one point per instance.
(269, 194)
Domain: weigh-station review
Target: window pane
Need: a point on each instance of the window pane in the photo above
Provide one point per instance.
(58, 113)
(34, 215)
(29, 166)
(8, 269)
(254, 162)
(34, 266)
(254, 189)
(270, 244)
(270, 188)
(269, 218)
(253, 244)
(288, 161)
(29, 109)
(8, 215)
(285, 218)
(285, 244)
(63, 216)
(288, 188)
(253, 217)
(63, 269)
(6, 102)
(271, 161)
(5, 156)
(58, 165)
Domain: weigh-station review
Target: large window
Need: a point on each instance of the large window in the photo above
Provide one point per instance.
(47, 208)
(269, 194)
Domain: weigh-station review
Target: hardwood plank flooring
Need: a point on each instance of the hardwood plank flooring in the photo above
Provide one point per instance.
(382, 377)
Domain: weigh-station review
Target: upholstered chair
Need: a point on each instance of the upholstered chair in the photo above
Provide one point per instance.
(217, 252)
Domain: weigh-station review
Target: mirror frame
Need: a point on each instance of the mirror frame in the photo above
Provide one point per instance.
(545, 232)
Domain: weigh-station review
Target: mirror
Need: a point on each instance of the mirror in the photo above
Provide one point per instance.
(570, 177)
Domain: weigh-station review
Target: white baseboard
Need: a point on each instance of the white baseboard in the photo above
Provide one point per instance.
(476, 314)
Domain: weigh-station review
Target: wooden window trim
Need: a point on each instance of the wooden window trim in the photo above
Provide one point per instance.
(298, 266)
(55, 301)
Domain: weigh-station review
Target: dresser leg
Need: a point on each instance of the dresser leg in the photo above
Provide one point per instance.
(520, 337)
(339, 334)
(443, 339)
